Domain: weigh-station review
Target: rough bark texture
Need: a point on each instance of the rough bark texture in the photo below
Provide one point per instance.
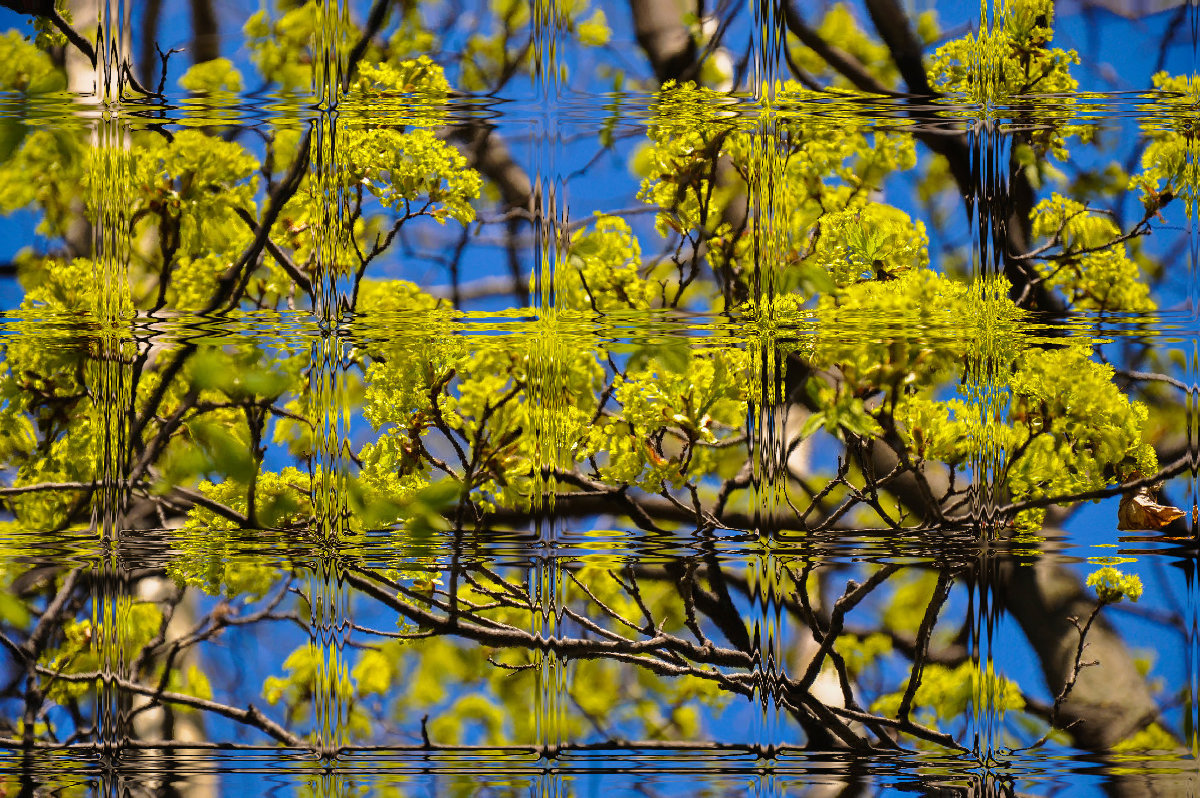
(148, 61)
(206, 40)
(658, 25)
(906, 49)
(488, 153)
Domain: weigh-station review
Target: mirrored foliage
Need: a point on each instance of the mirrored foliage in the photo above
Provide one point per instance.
(413, 397)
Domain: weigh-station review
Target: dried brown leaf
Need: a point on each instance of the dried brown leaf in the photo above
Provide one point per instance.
(1139, 511)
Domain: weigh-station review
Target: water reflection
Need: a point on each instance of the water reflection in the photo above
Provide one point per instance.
(412, 398)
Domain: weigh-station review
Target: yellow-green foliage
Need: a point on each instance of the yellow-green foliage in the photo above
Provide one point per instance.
(1012, 58)
(594, 31)
(413, 172)
(282, 49)
(212, 77)
(1069, 430)
(906, 605)
(1093, 270)
(198, 181)
(1069, 426)
(1111, 585)
(281, 498)
(207, 560)
(407, 168)
(684, 407)
(861, 653)
(25, 68)
(45, 171)
(137, 624)
(813, 264)
(306, 666)
(413, 90)
(546, 423)
(417, 77)
(913, 330)
(945, 693)
(1074, 426)
(825, 179)
(874, 240)
(404, 367)
(411, 37)
(603, 274)
(679, 170)
(50, 428)
(1153, 737)
(1168, 166)
(485, 50)
(48, 35)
